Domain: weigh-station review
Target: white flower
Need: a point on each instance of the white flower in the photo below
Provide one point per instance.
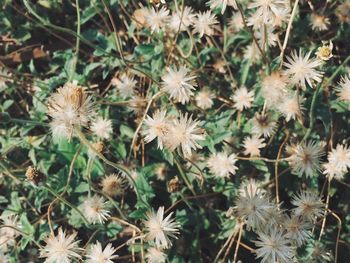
(222, 164)
(157, 126)
(301, 69)
(291, 106)
(263, 125)
(274, 246)
(94, 208)
(157, 19)
(204, 23)
(343, 91)
(61, 248)
(252, 53)
(236, 23)
(269, 10)
(297, 230)
(305, 158)
(3, 80)
(113, 185)
(179, 84)
(3, 257)
(252, 145)
(253, 206)
(155, 255)
(97, 255)
(332, 170)
(102, 128)
(204, 99)
(9, 233)
(319, 22)
(69, 107)
(243, 98)
(340, 156)
(159, 229)
(185, 134)
(308, 205)
(224, 3)
(266, 36)
(181, 19)
(274, 88)
(125, 85)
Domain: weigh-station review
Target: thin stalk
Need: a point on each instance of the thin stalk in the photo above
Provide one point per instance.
(77, 43)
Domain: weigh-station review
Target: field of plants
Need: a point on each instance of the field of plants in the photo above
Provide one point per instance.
(175, 131)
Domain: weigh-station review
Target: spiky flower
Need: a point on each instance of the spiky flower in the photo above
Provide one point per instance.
(185, 134)
(125, 85)
(319, 22)
(305, 158)
(69, 107)
(301, 69)
(297, 230)
(222, 164)
(343, 91)
(159, 229)
(204, 99)
(269, 10)
(102, 128)
(61, 248)
(97, 255)
(204, 23)
(309, 205)
(274, 88)
(179, 84)
(113, 185)
(155, 255)
(252, 145)
(94, 209)
(274, 246)
(291, 106)
(223, 4)
(243, 98)
(263, 125)
(157, 19)
(157, 126)
(181, 19)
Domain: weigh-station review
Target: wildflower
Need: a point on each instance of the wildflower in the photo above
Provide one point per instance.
(343, 11)
(179, 84)
(137, 104)
(222, 164)
(61, 248)
(157, 19)
(113, 185)
(319, 22)
(102, 128)
(343, 91)
(243, 98)
(301, 69)
(308, 205)
(5, 77)
(204, 99)
(274, 88)
(340, 156)
(156, 127)
(204, 23)
(181, 20)
(9, 233)
(94, 208)
(224, 3)
(318, 253)
(266, 36)
(332, 170)
(291, 106)
(70, 107)
(4, 258)
(274, 246)
(155, 255)
(252, 53)
(269, 9)
(98, 146)
(253, 206)
(125, 85)
(34, 176)
(263, 125)
(325, 52)
(305, 158)
(97, 255)
(252, 145)
(297, 230)
(159, 229)
(185, 134)
(236, 23)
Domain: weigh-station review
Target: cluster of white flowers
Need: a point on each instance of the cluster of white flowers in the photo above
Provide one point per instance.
(63, 248)
(279, 232)
(183, 132)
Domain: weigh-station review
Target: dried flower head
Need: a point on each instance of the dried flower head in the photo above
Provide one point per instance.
(319, 22)
(70, 107)
(61, 248)
(102, 128)
(181, 20)
(33, 175)
(157, 19)
(308, 204)
(125, 85)
(97, 255)
(325, 52)
(222, 164)
(155, 255)
(94, 209)
(223, 4)
(252, 145)
(263, 125)
(274, 88)
(204, 23)
(159, 229)
(157, 126)
(113, 185)
(204, 99)
(243, 98)
(343, 91)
